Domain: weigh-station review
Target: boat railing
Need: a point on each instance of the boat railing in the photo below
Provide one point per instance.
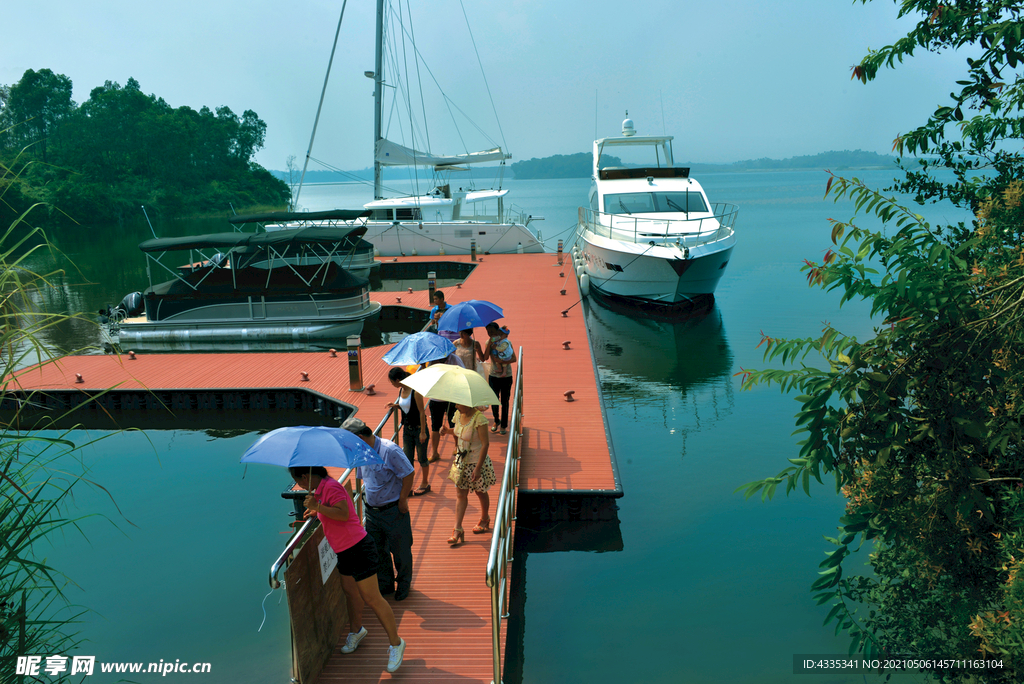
(502, 538)
(292, 547)
(690, 233)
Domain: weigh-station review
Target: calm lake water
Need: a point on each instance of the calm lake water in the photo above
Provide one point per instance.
(707, 587)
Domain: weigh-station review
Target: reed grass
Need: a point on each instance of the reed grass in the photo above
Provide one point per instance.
(36, 616)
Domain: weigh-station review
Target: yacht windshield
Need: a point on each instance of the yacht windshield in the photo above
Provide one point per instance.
(654, 202)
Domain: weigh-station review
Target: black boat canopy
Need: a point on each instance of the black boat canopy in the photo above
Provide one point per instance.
(277, 239)
(292, 216)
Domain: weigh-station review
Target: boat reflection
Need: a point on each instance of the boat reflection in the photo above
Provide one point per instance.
(677, 367)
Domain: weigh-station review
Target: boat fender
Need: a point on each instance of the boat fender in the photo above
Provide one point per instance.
(585, 285)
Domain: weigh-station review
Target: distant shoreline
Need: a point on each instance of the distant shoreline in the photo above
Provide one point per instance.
(579, 166)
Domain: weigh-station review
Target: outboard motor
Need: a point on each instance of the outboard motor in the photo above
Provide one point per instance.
(132, 304)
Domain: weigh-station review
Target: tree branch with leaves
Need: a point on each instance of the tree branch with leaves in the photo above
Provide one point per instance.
(920, 426)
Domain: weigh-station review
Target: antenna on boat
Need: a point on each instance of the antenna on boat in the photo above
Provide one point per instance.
(664, 128)
(148, 221)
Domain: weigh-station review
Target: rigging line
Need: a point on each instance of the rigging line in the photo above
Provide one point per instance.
(400, 93)
(444, 96)
(405, 97)
(486, 84)
(451, 102)
(419, 79)
(407, 92)
(319, 107)
(448, 101)
(355, 178)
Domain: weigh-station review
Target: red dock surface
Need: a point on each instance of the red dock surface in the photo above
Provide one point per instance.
(446, 619)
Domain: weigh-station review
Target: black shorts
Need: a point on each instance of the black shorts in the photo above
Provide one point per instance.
(437, 411)
(360, 560)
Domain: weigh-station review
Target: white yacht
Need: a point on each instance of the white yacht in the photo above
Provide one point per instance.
(650, 234)
(450, 218)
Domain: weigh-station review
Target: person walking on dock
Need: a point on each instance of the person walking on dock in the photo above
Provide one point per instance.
(441, 412)
(387, 509)
(472, 469)
(414, 426)
(502, 356)
(440, 307)
(357, 557)
(468, 350)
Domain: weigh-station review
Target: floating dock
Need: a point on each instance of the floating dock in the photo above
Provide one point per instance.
(567, 471)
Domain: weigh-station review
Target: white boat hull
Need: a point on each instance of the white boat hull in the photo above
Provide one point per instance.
(658, 274)
(433, 239)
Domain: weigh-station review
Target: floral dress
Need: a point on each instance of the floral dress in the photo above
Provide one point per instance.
(468, 440)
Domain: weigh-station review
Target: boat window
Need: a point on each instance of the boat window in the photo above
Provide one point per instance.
(408, 214)
(680, 201)
(654, 202)
(630, 203)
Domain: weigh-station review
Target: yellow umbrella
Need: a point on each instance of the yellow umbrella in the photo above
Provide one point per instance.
(452, 383)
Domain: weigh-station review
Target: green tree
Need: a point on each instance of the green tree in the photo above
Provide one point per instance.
(122, 148)
(921, 425)
(35, 107)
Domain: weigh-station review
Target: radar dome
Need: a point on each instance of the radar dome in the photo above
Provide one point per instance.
(627, 127)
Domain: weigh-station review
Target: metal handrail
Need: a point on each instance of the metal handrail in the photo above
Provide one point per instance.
(299, 537)
(505, 515)
(688, 232)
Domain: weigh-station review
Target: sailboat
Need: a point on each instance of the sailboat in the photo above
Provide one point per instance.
(445, 220)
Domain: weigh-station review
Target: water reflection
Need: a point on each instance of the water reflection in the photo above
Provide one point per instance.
(678, 367)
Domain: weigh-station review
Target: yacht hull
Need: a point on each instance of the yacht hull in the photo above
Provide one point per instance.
(657, 274)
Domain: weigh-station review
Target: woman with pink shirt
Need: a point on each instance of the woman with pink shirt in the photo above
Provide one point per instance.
(357, 557)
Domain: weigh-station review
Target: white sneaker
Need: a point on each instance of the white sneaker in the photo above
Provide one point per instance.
(395, 654)
(353, 639)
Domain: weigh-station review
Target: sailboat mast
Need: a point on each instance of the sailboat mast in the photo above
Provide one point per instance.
(378, 109)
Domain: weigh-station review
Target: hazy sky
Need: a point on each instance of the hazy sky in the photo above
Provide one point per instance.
(731, 79)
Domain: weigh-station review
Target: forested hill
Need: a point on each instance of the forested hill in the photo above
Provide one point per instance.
(580, 165)
(97, 162)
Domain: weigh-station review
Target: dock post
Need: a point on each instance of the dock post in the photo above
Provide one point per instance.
(472, 250)
(431, 285)
(355, 368)
(560, 255)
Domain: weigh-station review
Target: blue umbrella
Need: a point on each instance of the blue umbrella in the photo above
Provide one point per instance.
(473, 313)
(311, 446)
(419, 348)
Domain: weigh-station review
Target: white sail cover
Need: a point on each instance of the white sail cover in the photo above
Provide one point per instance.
(393, 154)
